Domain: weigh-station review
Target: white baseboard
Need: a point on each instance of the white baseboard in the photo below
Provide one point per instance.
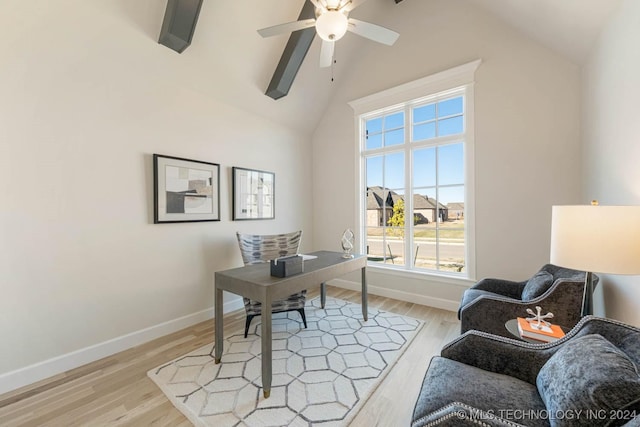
(39, 371)
(399, 295)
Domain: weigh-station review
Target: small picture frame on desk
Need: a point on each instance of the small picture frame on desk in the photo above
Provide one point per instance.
(253, 194)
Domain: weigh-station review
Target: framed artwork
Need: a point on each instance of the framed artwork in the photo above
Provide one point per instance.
(253, 194)
(185, 190)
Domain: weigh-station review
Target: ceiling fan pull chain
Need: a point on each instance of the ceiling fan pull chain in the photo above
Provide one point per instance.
(333, 63)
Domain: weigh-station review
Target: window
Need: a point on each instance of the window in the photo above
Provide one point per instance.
(415, 186)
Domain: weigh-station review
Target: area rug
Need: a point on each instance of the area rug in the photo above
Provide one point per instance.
(322, 375)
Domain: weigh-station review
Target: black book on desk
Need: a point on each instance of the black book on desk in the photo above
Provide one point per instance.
(286, 266)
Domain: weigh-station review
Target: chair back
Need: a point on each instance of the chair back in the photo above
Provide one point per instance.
(623, 336)
(257, 248)
(563, 273)
(568, 275)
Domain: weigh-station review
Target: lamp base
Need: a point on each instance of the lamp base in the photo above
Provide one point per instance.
(587, 298)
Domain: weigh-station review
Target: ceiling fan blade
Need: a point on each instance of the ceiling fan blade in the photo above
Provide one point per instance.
(287, 27)
(373, 32)
(326, 53)
(318, 5)
(351, 4)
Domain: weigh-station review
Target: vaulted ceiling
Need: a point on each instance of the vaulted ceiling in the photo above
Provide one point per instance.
(567, 26)
(572, 27)
(230, 62)
(226, 40)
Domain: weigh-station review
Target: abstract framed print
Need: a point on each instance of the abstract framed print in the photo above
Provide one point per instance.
(185, 190)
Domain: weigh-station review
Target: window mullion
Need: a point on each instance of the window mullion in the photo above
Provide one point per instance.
(408, 185)
(437, 242)
(384, 208)
(363, 216)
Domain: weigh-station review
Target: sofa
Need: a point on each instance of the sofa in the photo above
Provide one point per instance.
(490, 303)
(587, 378)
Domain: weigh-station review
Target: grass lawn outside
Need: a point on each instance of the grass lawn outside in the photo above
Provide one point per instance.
(447, 230)
(449, 233)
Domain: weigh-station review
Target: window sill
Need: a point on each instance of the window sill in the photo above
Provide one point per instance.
(449, 279)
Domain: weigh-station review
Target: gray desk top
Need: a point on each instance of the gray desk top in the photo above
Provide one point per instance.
(248, 280)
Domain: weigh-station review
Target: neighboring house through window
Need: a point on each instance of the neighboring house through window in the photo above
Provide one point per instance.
(415, 145)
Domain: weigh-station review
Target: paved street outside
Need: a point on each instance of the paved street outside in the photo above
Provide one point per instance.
(452, 250)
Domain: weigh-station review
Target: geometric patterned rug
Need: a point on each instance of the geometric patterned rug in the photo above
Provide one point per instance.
(321, 375)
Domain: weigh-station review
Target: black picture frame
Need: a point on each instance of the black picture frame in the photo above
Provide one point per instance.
(253, 194)
(185, 190)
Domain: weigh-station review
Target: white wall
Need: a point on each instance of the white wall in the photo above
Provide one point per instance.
(611, 128)
(85, 99)
(527, 136)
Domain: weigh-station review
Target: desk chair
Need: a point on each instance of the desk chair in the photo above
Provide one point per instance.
(263, 248)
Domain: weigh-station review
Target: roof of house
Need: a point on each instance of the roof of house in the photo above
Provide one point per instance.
(376, 195)
(456, 206)
(376, 198)
(422, 202)
(373, 201)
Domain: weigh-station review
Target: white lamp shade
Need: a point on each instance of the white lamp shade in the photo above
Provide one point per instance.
(601, 239)
(331, 25)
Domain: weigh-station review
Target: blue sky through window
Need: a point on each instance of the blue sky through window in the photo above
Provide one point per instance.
(450, 107)
(451, 164)
(437, 119)
(385, 131)
(394, 121)
(424, 170)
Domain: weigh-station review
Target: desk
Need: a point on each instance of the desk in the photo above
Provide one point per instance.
(255, 282)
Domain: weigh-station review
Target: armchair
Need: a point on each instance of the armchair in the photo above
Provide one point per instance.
(490, 303)
(256, 249)
(588, 378)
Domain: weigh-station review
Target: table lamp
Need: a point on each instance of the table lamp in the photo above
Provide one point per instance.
(600, 239)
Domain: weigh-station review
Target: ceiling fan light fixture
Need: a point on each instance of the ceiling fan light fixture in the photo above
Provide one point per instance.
(331, 25)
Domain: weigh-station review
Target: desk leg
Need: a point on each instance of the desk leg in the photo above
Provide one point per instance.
(219, 325)
(266, 347)
(365, 299)
(323, 294)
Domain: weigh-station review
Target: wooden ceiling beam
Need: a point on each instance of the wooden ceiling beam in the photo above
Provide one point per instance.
(179, 24)
(292, 57)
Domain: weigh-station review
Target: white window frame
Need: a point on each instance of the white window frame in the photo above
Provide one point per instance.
(446, 84)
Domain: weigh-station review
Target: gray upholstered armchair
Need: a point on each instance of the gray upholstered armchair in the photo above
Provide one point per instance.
(588, 378)
(257, 248)
(490, 303)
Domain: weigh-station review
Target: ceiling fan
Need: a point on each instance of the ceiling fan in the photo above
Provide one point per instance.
(332, 22)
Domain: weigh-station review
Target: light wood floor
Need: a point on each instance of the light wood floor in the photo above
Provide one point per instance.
(116, 390)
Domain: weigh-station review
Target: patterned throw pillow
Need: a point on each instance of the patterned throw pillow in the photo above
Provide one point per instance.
(537, 285)
(589, 382)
